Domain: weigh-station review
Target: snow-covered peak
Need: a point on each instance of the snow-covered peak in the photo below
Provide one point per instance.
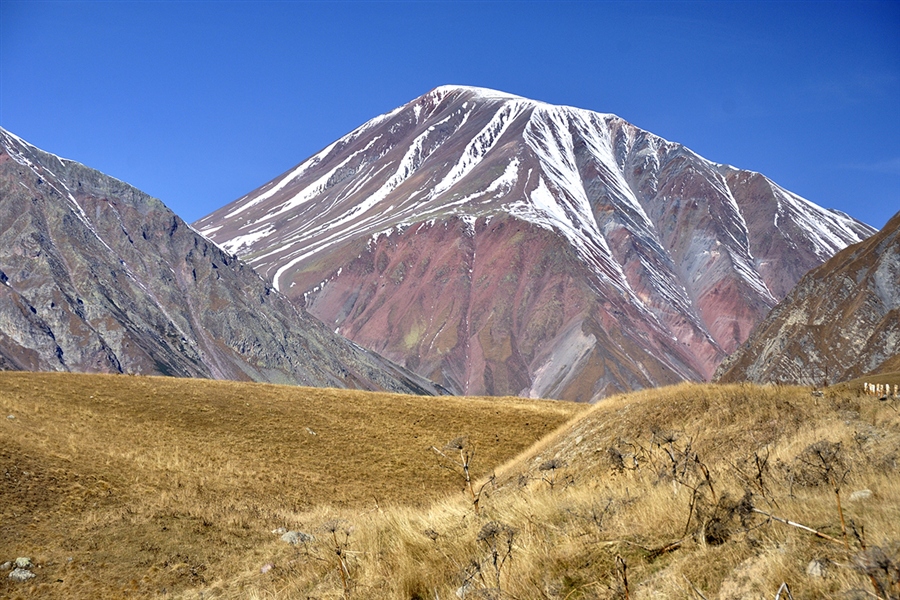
(690, 252)
(478, 92)
(451, 151)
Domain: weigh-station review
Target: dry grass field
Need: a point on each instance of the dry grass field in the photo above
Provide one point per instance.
(171, 488)
(144, 486)
(679, 491)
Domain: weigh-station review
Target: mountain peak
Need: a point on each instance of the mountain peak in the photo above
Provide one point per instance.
(515, 247)
(478, 92)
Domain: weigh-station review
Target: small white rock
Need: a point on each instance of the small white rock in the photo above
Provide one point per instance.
(296, 537)
(817, 568)
(279, 530)
(6, 566)
(11, 417)
(21, 575)
(860, 495)
(23, 562)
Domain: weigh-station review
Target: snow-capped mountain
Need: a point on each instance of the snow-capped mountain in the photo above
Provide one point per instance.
(501, 245)
(96, 276)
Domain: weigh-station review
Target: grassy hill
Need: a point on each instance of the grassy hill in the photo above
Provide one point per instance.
(155, 485)
(170, 488)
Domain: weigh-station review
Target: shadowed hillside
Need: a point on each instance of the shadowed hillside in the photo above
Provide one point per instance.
(98, 277)
(842, 320)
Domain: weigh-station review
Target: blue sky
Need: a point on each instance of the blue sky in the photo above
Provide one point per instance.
(198, 103)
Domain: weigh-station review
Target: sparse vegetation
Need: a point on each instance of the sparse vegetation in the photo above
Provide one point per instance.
(690, 491)
(463, 466)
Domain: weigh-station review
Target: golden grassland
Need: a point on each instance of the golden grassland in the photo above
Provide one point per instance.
(156, 485)
(668, 493)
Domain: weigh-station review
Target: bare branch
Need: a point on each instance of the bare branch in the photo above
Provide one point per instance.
(824, 536)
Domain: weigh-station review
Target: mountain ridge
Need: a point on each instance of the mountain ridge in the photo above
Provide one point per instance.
(840, 322)
(99, 277)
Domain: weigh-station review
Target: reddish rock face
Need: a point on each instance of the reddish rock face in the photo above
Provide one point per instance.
(504, 246)
(840, 322)
(487, 308)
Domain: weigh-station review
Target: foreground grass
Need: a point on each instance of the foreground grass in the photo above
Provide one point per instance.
(654, 494)
(668, 493)
(137, 486)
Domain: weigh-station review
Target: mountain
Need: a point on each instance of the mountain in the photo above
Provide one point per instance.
(840, 322)
(499, 245)
(99, 277)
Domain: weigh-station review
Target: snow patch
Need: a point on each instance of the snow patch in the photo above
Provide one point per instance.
(284, 181)
(316, 187)
(484, 93)
(237, 243)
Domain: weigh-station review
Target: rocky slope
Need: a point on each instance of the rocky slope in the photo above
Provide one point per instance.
(99, 277)
(500, 245)
(840, 322)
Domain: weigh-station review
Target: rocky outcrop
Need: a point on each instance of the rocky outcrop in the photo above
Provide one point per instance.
(19, 570)
(505, 246)
(840, 322)
(96, 276)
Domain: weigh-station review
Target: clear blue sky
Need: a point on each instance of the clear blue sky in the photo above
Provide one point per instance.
(198, 103)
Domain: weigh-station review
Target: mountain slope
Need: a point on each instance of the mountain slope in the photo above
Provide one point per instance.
(840, 322)
(99, 277)
(500, 245)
